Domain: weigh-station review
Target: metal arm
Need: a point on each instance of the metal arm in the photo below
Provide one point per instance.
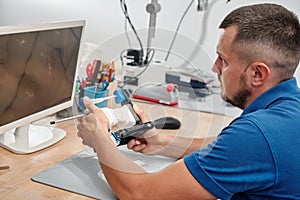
(153, 8)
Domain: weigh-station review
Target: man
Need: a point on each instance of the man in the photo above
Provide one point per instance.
(257, 155)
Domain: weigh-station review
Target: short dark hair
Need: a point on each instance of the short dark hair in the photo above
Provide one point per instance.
(267, 32)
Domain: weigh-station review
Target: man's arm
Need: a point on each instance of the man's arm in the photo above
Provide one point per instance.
(156, 142)
(174, 182)
(127, 179)
(168, 145)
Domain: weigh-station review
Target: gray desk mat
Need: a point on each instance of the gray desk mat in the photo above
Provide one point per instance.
(81, 173)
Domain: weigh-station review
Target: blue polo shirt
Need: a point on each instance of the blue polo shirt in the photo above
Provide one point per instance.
(258, 155)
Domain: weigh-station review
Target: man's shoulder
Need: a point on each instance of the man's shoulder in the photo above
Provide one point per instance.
(280, 117)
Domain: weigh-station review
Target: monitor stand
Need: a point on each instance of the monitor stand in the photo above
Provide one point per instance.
(31, 138)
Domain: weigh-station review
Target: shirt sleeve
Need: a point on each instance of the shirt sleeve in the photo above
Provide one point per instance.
(239, 161)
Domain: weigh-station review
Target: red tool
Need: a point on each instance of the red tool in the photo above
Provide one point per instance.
(89, 71)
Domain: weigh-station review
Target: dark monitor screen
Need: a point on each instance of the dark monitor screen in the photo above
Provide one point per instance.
(38, 66)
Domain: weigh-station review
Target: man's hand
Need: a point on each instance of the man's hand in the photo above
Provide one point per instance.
(94, 126)
(151, 142)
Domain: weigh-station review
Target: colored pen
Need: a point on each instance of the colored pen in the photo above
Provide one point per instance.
(105, 85)
(4, 167)
(66, 119)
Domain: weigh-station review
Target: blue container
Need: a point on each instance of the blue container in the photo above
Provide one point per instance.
(94, 92)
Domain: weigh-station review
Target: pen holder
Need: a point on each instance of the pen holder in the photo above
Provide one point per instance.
(94, 92)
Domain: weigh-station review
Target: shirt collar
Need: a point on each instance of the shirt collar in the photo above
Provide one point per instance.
(283, 89)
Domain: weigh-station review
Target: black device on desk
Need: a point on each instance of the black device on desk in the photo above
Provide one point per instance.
(185, 79)
(123, 136)
(194, 85)
(167, 123)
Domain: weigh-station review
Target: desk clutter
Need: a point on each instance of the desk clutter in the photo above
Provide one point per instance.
(159, 93)
(94, 84)
(99, 75)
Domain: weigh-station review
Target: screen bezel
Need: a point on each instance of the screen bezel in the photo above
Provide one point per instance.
(56, 108)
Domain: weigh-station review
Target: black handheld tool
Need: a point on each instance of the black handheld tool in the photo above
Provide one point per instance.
(123, 136)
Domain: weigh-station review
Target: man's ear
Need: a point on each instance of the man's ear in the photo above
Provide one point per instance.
(259, 73)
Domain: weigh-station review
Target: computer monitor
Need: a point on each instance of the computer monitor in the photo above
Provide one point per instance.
(38, 70)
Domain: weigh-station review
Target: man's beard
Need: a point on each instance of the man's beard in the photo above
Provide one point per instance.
(240, 98)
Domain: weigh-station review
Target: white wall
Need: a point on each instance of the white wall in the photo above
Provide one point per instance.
(105, 20)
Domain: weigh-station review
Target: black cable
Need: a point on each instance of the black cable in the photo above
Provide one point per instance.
(125, 11)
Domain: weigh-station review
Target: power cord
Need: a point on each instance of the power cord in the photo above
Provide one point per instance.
(177, 29)
(179, 24)
(125, 11)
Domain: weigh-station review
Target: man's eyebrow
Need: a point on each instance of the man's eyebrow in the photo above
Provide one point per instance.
(221, 55)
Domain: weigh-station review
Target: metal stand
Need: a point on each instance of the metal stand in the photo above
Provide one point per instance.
(153, 8)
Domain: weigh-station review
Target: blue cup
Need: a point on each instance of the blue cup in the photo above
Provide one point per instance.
(94, 92)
